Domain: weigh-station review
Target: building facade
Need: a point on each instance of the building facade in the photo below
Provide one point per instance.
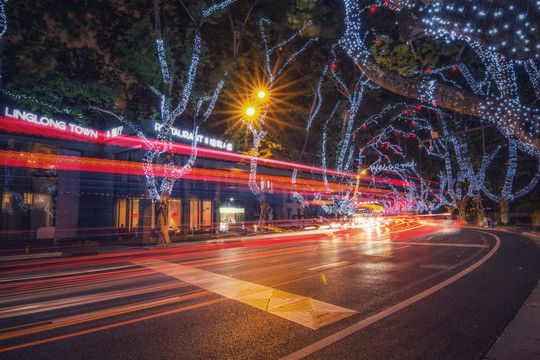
(67, 181)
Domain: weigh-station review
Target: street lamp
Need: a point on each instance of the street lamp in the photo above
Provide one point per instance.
(261, 94)
(250, 111)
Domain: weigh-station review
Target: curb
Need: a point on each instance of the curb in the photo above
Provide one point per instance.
(533, 236)
(31, 256)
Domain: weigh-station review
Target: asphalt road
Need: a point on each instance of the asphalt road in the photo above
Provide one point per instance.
(407, 290)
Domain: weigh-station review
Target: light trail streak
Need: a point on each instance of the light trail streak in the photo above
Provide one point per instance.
(260, 240)
(110, 326)
(73, 163)
(82, 300)
(326, 266)
(55, 284)
(10, 125)
(32, 277)
(340, 240)
(96, 315)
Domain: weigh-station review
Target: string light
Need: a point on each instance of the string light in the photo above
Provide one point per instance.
(534, 75)
(319, 99)
(507, 193)
(444, 20)
(216, 7)
(170, 114)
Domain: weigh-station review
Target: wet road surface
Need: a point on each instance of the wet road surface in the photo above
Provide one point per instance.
(403, 289)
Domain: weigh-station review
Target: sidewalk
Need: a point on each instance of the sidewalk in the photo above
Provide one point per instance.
(521, 338)
(30, 256)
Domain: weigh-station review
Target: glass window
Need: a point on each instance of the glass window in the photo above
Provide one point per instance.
(6, 203)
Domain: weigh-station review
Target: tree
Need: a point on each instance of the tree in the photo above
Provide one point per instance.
(508, 113)
(506, 192)
(274, 67)
(173, 86)
(173, 105)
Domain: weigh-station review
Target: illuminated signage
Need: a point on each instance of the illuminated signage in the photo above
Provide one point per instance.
(231, 210)
(61, 125)
(396, 167)
(50, 122)
(201, 139)
(117, 131)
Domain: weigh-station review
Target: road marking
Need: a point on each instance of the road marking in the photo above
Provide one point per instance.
(445, 244)
(328, 265)
(310, 349)
(302, 310)
(434, 266)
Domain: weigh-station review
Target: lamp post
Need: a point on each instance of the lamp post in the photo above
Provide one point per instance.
(360, 172)
(249, 112)
(254, 107)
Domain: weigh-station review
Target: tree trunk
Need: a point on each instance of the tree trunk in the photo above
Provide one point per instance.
(505, 216)
(509, 116)
(265, 211)
(162, 220)
(479, 211)
(449, 209)
(461, 206)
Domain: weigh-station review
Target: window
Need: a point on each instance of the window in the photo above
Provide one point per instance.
(6, 203)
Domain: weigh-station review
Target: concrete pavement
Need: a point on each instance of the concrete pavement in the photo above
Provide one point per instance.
(521, 338)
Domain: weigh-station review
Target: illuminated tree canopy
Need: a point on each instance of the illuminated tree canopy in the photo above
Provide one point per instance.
(496, 40)
(343, 82)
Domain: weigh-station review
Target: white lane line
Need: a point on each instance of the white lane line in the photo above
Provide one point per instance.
(328, 265)
(445, 244)
(310, 349)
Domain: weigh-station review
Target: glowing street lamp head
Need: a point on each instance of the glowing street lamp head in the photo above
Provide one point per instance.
(261, 94)
(250, 111)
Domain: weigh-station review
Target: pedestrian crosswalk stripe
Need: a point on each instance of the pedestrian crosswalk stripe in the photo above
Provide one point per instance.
(302, 310)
